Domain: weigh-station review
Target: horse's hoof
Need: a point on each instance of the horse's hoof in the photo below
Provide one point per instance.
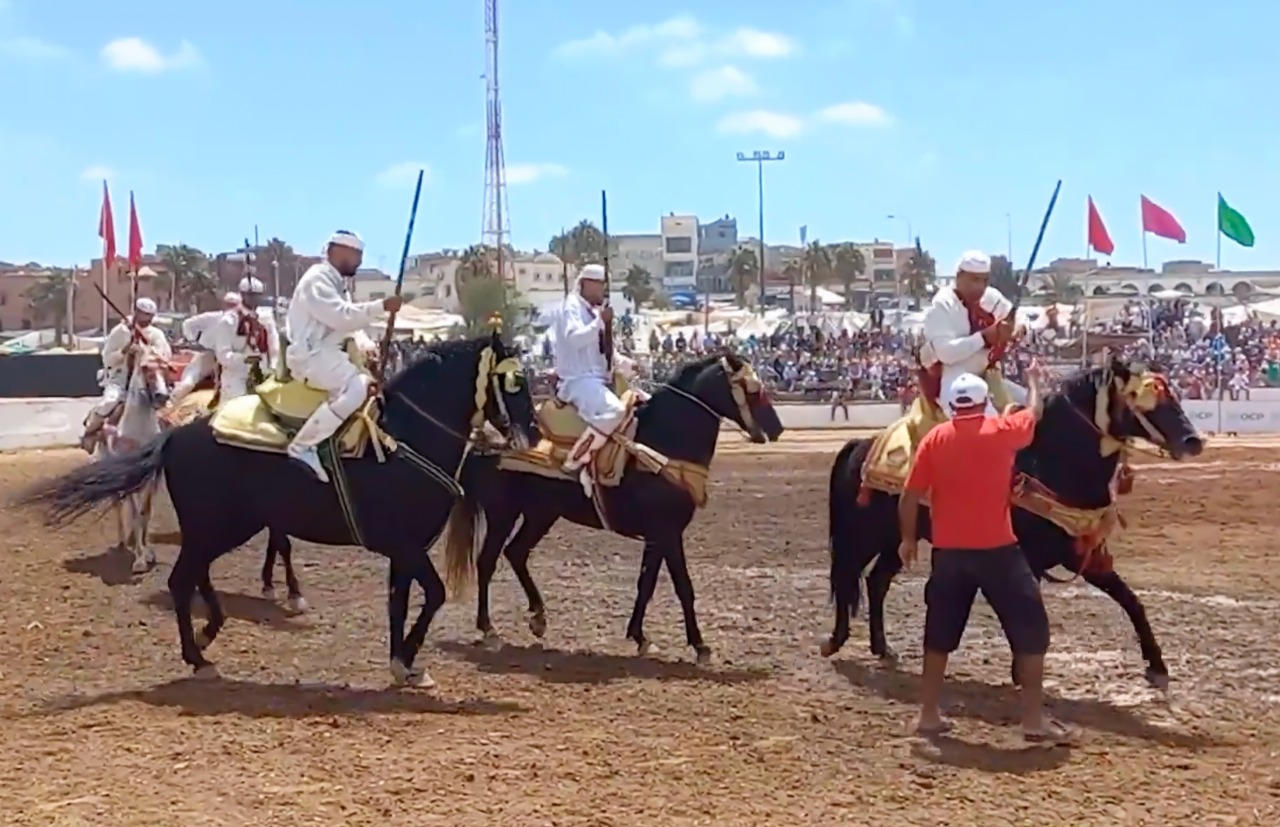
(151, 557)
(268, 592)
(829, 647)
(202, 640)
(296, 605)
(405, 676)
(140, 566)
(490, 639)
(1158, 680)
(646, 648)
(704, 655)
(538, 624)
(207, 672)
(889, 655)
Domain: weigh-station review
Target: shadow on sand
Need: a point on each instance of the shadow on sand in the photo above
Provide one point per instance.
(113, 566)
(559, 666)
(998, 706)
(991, 758)
(246, 607)
(278, 700)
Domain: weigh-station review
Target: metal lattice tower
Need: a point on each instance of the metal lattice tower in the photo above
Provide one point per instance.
(496, 234)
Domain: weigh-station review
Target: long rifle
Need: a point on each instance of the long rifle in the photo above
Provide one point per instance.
(384, 351)
(1031, 262)
(606, 335)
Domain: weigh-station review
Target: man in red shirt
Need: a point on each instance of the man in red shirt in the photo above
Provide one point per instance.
(966, 466)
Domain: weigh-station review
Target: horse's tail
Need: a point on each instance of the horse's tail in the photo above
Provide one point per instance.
(463, 533)
(110, 479)
(846, 477)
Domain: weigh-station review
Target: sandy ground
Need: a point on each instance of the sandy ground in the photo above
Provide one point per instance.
(100, 726)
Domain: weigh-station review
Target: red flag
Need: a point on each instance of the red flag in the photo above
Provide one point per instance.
(107, 230)
(135, 237)
(1159, 221)
(1099, 238)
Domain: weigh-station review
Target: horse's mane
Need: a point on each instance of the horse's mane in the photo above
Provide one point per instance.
(691, 370)
(438, 355)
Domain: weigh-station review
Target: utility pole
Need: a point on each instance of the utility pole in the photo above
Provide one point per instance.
(759, 157)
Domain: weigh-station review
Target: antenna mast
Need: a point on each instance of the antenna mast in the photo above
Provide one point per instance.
(496, 235)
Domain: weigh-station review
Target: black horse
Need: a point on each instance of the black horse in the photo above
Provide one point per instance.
(224, 495)
(680, 421)
(1065, 457)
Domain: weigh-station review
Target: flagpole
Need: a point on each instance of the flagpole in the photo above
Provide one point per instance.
(1144, 249)
(104, 287)
(1217, 260)
(1084, 317)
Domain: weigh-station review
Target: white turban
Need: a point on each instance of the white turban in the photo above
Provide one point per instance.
(249, 284)
(145, 305)
(591, 272)
(346, 238)
(974, 261)
(231, 298)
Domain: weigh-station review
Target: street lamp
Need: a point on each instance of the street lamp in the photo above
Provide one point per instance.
(910, 236)
(758, 157)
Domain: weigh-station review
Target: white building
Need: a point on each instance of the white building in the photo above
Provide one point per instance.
(433, 278)
(679, 252)
(1194, 277)
(637, 250)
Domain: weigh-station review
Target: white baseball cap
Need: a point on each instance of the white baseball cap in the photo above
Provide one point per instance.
(967, 391)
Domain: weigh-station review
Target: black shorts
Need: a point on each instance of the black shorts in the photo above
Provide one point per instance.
(1005, 580)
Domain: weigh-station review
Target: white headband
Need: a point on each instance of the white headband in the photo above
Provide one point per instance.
(346, 238)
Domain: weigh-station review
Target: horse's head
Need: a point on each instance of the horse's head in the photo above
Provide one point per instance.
(502, 394)
(1127, 400)
(477, 378)
(729, 387)
(151, 379)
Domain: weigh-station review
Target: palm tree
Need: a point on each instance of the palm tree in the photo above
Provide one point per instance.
(744, 271)
(481, 294)
(584, 244)
(818, 268)
(793, 271)
(919, 274)
(1003, 278)
(48, 300)
(849, 264)
(637, 285)
(186, 274)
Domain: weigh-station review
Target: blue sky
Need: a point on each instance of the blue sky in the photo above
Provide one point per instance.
(301, 116)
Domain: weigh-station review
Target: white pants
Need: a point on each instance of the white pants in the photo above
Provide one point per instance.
(197, 370)
(232, 386)
(595, 402)
(332, 371)
(112, 393)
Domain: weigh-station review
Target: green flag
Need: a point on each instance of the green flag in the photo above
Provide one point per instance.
(1232, 224)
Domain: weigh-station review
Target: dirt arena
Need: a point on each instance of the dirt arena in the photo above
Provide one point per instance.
(100, 726)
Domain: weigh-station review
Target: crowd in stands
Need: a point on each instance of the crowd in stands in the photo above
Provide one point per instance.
(1205, 357)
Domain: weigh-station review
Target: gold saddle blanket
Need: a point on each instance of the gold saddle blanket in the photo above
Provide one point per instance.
(267, 419)
(889, 461)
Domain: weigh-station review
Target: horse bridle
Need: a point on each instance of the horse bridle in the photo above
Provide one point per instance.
(500, 375)
(742, 382)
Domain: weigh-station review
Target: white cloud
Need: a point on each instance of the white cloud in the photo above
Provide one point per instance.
(97, 174)
(133, 54)
(33, 48)
(724, 82)
(761, 122)
(528, 173)
(403, 174)
(856, 113)
(681, 42)
(677, 28)
(755, 43)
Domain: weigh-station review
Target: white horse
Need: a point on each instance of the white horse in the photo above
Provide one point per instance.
(134, 423)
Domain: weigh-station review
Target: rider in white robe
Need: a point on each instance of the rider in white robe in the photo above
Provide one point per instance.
(238, 353)
(321, 317)
(949, 338)
(117, 349)
(585, 378)
(199, 331)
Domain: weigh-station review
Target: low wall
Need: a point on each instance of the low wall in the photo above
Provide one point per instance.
(52, 375)
(49, 423)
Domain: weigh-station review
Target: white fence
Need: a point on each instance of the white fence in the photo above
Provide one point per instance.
(51, 423)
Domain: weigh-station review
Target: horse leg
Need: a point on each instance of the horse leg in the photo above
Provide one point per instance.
(531, 532)
(887, 565)
(433, 597)
(678, 566)
(188, 570)
(399, 580)
(1157, 673)
(497, 530)
(846, 589)
(295, 603)
(217, 617)
(650, 566)
(136, 546)
(148, 507)
(269, 568)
